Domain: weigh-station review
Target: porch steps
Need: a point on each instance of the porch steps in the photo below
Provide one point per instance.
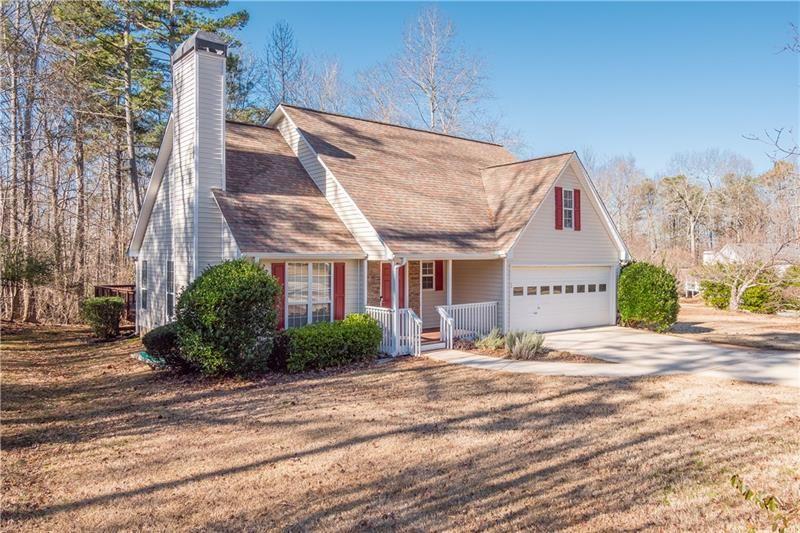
(430, 346)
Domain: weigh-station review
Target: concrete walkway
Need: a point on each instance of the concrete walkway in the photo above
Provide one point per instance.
(642, 353)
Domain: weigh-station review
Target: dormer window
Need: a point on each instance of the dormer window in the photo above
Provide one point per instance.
(568, 208)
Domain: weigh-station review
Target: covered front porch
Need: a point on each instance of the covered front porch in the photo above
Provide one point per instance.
(428, 303)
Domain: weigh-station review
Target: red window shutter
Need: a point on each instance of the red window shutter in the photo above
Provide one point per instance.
(401, 287)
(439, 275)
(279, 271)
(576, 198)
(338, 291)
(559, 209)
(386, 285)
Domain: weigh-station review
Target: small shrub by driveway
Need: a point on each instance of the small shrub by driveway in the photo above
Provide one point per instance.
(99, 442)
(647, 297)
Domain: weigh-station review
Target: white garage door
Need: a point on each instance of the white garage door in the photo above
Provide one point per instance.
(554, 298)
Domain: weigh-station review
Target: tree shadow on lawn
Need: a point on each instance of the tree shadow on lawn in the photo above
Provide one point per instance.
(441, 446)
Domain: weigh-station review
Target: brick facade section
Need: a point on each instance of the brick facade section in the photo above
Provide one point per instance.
(374, 283)
(413, 286)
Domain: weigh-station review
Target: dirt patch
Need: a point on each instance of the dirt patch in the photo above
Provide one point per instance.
(696, 321)
(547, 354)
(92, 440)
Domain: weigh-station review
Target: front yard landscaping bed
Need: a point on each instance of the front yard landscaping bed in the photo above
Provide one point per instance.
(92, 439)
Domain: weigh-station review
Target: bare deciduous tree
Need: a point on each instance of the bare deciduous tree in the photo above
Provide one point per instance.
(433, 83)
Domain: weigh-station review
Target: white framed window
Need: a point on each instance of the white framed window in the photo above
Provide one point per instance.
(309, 295)
(170, 290)
(568, 208)
(143, 286)
(428, 275)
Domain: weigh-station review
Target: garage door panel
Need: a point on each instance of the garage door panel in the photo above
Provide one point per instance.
(567, 301)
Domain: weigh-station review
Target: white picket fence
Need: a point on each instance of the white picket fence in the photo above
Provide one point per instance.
(408, 340)
(466, 320)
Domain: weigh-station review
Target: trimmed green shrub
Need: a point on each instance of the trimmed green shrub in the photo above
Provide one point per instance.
(493, 341)
(647, 297)
(226, 318)
(363, 335)
(162, 342)
(524, 345)
(715, 294)
(327, 344)
(761, 299)
(103, 315)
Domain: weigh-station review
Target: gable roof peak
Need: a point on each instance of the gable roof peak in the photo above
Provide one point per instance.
(552, 156)
(390, 124)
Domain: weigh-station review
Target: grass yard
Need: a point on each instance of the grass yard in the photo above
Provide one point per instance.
(91, 439)
(696, 321)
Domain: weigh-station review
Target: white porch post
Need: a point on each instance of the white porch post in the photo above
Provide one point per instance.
(504, 301)
(395, 303)
(365, 273)
(449, 282)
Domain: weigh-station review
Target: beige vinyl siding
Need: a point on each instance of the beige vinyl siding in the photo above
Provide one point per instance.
(353, 284)
(479, 281)
(166, 235)
(432, 298)
(541, 244)
(342, 204)
(210, 157)
(179, 178)
(230, 250)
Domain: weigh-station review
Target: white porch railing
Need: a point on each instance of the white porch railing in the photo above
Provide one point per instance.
(466, 320)
(408, 339)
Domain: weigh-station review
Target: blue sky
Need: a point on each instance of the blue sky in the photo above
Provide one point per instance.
(647, 79)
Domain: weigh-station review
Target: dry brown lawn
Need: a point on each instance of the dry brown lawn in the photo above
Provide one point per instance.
(696, 321)
(92, 439)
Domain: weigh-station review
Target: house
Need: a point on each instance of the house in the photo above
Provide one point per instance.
(780, 257)
(436, 236)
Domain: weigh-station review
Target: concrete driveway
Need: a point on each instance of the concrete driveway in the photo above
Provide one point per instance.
(667, 354)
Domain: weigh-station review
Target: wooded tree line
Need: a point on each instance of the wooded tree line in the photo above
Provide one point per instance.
(706, 200)
(86, 96)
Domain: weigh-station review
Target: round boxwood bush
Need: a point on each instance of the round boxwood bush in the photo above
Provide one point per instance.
(647, 297)
(162, 342)
(226, 318)
(103, 315)
(761, 299)
(715, 294)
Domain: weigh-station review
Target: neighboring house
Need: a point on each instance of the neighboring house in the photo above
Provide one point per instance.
(424, 231)
(750, 252)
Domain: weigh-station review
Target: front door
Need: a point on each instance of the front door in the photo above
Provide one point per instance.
(386, 285)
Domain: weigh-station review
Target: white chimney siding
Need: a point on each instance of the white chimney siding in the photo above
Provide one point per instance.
(186, 225)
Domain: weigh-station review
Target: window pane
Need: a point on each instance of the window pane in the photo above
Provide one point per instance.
(556, 289)
(297, 316)
(427, 282)
(517, 291)
(544, 289)
(581, 288)
(568, 199)
(569, 289)
(531, 290)
(321, 313)
(602, 287)
(297, 282)
(592, 287)
(321, 275)
(567, 218)
(427, 269)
